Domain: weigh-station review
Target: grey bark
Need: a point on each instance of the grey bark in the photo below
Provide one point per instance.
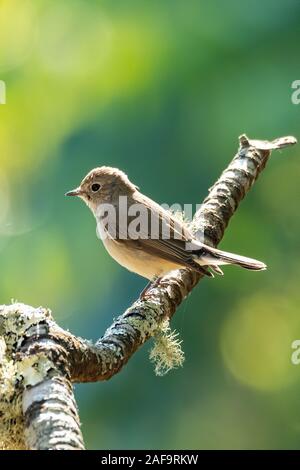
(40, 360)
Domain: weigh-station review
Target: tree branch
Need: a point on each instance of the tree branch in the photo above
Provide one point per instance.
(39, 359)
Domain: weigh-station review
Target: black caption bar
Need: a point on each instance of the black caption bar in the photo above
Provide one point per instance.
(134, 459)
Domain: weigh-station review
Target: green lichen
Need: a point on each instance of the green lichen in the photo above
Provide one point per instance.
(34, 369)
(149, 322)
(15, 320)
(166, 353)
(11, 417)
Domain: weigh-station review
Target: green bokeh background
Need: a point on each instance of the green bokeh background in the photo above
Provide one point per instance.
(161, 90)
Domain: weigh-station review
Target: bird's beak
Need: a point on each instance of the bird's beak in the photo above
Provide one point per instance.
(74, 192)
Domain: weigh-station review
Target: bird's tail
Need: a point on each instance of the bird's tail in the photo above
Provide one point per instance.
(213, 257)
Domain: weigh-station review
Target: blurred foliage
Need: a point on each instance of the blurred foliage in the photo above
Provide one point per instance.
(161, 90)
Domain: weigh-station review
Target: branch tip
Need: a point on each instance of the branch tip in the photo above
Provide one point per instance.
(244, 141)
(276, 144)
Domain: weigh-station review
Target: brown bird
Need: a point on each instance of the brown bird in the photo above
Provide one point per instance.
(155, 241)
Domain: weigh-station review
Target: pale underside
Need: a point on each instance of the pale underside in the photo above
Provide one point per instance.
(139, 261)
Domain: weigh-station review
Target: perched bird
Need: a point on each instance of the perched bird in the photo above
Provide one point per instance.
(153, 243)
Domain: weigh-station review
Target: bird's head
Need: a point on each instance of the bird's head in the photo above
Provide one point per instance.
(103, 185)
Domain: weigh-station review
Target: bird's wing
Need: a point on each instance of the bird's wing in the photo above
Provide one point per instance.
(170, 242)
(169, 225)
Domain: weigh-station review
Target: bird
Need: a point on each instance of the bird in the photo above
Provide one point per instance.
(153, 243)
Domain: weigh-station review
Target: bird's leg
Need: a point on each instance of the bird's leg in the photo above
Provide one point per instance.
(151, 284)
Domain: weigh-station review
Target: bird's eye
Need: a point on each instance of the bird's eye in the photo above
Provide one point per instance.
(95, 187)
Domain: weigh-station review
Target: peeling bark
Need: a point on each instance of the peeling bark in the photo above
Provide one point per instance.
(40, 360)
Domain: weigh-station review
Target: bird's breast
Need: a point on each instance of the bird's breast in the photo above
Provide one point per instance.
(136, 260)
